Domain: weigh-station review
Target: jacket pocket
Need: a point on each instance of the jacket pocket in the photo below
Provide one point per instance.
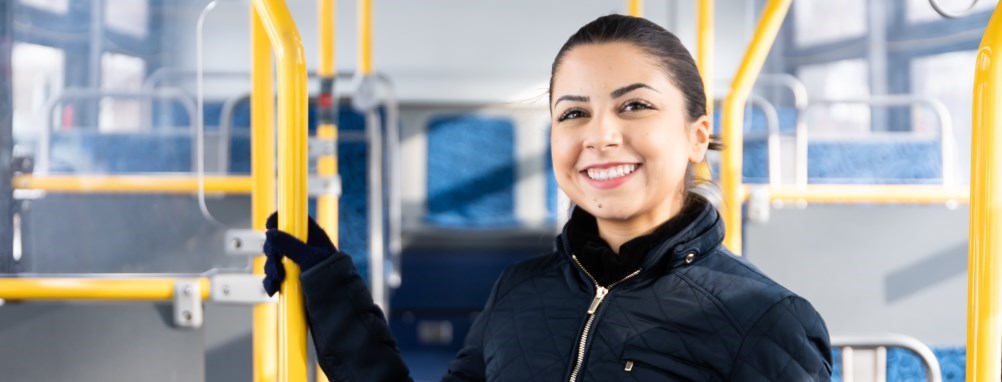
(646, 365)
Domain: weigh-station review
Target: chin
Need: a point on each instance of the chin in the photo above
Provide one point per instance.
(611, 214)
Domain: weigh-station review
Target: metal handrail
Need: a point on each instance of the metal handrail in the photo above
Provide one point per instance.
(884, 341)
(45, 139)
(226, 130)
(772, 128)
(800, 102)
(395, 208)
(772, 136)
(947, 138)
(377, 256)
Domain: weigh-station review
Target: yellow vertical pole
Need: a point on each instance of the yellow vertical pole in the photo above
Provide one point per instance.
(733, 115)
(365, 37)
(984, 324)
(635, 8)
(704, 59)
(704, 49)
(292, 180)
(327, 205)
(265, 336)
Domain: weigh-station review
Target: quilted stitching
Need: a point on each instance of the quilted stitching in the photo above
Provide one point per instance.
(719, 316)
(716, 319)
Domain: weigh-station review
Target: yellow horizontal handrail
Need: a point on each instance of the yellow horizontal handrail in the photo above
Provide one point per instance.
(866, 193)
(145, 184)
(66, 288)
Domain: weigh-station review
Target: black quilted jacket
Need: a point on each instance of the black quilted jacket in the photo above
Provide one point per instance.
(692, 312)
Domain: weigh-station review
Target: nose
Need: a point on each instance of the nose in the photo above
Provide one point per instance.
(604, 134)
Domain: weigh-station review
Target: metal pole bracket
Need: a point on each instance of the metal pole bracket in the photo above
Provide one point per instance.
(244, 242)
(759, 205)
(239, 288)
(188, 303)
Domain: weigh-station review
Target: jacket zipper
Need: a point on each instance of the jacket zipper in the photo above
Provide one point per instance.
(600, 293)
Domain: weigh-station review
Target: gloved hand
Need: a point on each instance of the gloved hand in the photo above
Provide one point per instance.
(278, 244)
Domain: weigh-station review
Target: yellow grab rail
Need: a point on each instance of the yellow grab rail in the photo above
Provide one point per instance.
(325, 19)
(866, 193)
(635, 8)
(365, 37)
(733, 136)
(292, 180)
(265, 335)
(984, 325)
(66, 288)
(327, 205)
(704, 50)
(704, 60)
(144, 184)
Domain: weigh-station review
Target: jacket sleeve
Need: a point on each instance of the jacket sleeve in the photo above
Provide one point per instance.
(350, 332)
(788, 343)
(469, 364)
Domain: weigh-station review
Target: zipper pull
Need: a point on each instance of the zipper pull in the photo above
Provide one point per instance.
(629, 366)
(600, 293)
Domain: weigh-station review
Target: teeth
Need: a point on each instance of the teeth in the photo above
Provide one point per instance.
(612, 172)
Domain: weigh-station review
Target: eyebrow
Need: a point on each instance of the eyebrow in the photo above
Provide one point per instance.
(575, 98)
(615, 93)
(629, 88)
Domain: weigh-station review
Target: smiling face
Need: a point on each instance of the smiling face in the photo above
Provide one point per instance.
(621, 139)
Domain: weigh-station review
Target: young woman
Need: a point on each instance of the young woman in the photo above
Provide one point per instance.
(639, 287)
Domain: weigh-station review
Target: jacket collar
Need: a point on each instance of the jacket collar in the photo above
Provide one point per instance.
(701, 236)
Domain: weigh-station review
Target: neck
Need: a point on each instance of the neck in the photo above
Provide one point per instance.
(618, 232)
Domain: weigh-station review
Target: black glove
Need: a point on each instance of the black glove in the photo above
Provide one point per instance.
(277, 244)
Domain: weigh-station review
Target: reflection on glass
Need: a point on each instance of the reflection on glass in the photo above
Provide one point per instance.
(129, 17)
(54, 6)
(825, 21)
(37, 76)
(948, 77)
(838, 80)
(121, 72)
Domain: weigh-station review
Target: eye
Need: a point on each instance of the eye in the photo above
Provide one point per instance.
(571, 114)
(636, 105)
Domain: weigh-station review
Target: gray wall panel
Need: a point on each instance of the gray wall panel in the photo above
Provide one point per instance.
(872, 268)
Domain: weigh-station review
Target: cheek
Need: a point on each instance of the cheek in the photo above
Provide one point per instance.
(564, 154)
(667, 156)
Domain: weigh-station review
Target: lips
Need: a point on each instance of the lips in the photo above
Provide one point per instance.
(610, 172)
(610, 175)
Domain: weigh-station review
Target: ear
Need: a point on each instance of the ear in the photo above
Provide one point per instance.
(699, 139)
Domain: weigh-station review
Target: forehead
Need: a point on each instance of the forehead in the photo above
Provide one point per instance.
(592, 68)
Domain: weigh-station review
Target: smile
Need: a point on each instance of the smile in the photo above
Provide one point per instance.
(611, 172)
